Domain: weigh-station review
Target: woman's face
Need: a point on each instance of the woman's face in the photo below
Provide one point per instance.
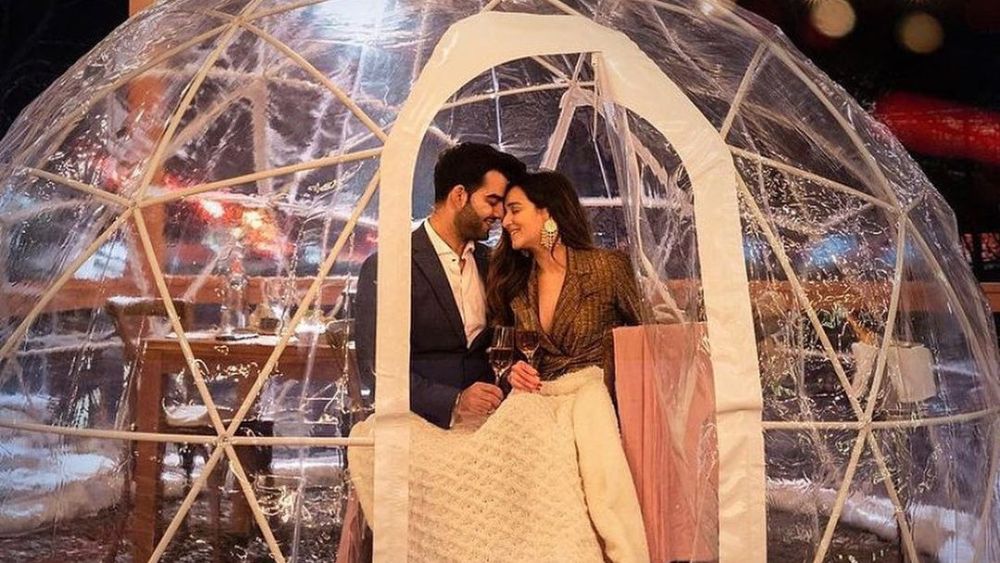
(523, 220)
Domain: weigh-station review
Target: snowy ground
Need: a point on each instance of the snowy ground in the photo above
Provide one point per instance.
(947, 535)
(47, 479)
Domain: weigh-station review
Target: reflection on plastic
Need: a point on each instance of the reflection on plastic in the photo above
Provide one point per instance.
(126, 178)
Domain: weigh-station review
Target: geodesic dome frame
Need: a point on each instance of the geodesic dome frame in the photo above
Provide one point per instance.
(623, 74)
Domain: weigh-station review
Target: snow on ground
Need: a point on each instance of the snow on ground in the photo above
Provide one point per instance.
(947, 534)
(46, 478)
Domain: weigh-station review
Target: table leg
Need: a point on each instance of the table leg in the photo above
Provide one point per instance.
(149, 458)
(242, 519)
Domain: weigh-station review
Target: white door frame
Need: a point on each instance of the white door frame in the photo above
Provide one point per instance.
(632, 80)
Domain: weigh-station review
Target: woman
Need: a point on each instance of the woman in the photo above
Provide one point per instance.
(556, 283)
(546, 276)
(544, 478)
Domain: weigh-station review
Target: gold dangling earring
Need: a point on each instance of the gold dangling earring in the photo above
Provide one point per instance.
(550, 234)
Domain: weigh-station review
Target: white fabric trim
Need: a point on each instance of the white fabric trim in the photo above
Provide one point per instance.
(473, 46)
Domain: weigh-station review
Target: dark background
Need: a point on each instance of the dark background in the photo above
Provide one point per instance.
(964, 72)
(40, 39)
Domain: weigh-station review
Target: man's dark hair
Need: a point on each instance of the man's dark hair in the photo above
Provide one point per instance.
(468, 163)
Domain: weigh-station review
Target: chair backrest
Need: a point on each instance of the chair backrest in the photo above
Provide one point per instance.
(338, 336)
(130, 314)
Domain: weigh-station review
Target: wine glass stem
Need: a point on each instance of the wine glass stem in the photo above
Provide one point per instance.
(498, 375)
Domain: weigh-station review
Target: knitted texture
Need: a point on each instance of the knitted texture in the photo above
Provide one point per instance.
(512, 487)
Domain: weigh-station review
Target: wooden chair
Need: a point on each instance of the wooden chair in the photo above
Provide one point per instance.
(131, 317)
(127, 312)
(339, 334)
(355, 535)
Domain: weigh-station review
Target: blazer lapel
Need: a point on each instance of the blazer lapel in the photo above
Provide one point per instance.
(531, 303)
(575, 288)
(525, 305)
(427, 261)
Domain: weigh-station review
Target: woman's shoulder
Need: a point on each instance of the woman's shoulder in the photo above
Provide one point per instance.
(604, 259)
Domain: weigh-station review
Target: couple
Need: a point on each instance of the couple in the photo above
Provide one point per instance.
(538, 475)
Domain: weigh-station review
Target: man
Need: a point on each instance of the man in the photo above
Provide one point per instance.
(450, 376)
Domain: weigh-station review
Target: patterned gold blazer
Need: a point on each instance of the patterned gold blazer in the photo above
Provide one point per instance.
(598, 294)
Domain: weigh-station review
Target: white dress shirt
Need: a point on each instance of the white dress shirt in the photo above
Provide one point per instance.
(466, 284)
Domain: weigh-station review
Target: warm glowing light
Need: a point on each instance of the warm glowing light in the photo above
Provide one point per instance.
(833, 18)
(213, 208)
(921, 33)
(260, 233)
(253, 219)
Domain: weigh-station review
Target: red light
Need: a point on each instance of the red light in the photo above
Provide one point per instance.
(941, 128)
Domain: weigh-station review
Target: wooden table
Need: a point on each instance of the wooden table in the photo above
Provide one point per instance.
(162, 356)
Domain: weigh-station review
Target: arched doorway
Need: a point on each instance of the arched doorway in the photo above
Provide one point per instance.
(627, 77)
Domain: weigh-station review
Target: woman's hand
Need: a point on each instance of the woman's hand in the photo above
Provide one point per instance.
(524, 377)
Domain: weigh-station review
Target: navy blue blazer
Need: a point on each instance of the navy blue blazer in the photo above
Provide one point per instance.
(441, 364)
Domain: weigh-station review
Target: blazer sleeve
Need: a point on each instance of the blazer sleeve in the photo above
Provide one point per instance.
(433, 401)
(628, 300)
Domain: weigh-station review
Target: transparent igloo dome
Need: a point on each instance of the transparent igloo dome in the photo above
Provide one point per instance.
(184, 213)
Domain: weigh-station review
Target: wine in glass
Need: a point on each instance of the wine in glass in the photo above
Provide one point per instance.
(501, 351)
(527, 343)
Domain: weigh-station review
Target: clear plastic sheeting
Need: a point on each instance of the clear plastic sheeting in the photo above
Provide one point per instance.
(212, 171)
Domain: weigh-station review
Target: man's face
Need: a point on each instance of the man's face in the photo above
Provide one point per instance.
(483, 209)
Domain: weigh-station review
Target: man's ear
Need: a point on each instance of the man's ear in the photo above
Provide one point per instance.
(458, 196)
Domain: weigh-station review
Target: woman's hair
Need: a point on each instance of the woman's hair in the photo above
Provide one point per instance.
(509, 268)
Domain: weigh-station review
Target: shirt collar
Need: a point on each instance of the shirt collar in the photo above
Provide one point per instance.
(441, 247)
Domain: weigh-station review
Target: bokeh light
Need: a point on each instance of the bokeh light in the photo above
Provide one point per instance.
(921, 33)
(833, 18)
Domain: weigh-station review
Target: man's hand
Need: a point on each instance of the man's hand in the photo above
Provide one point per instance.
(524, 377)
(478, 400)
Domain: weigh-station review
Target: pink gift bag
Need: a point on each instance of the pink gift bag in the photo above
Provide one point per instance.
(666, 406)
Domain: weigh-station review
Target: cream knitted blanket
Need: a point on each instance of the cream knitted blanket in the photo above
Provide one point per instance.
(542, 479)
